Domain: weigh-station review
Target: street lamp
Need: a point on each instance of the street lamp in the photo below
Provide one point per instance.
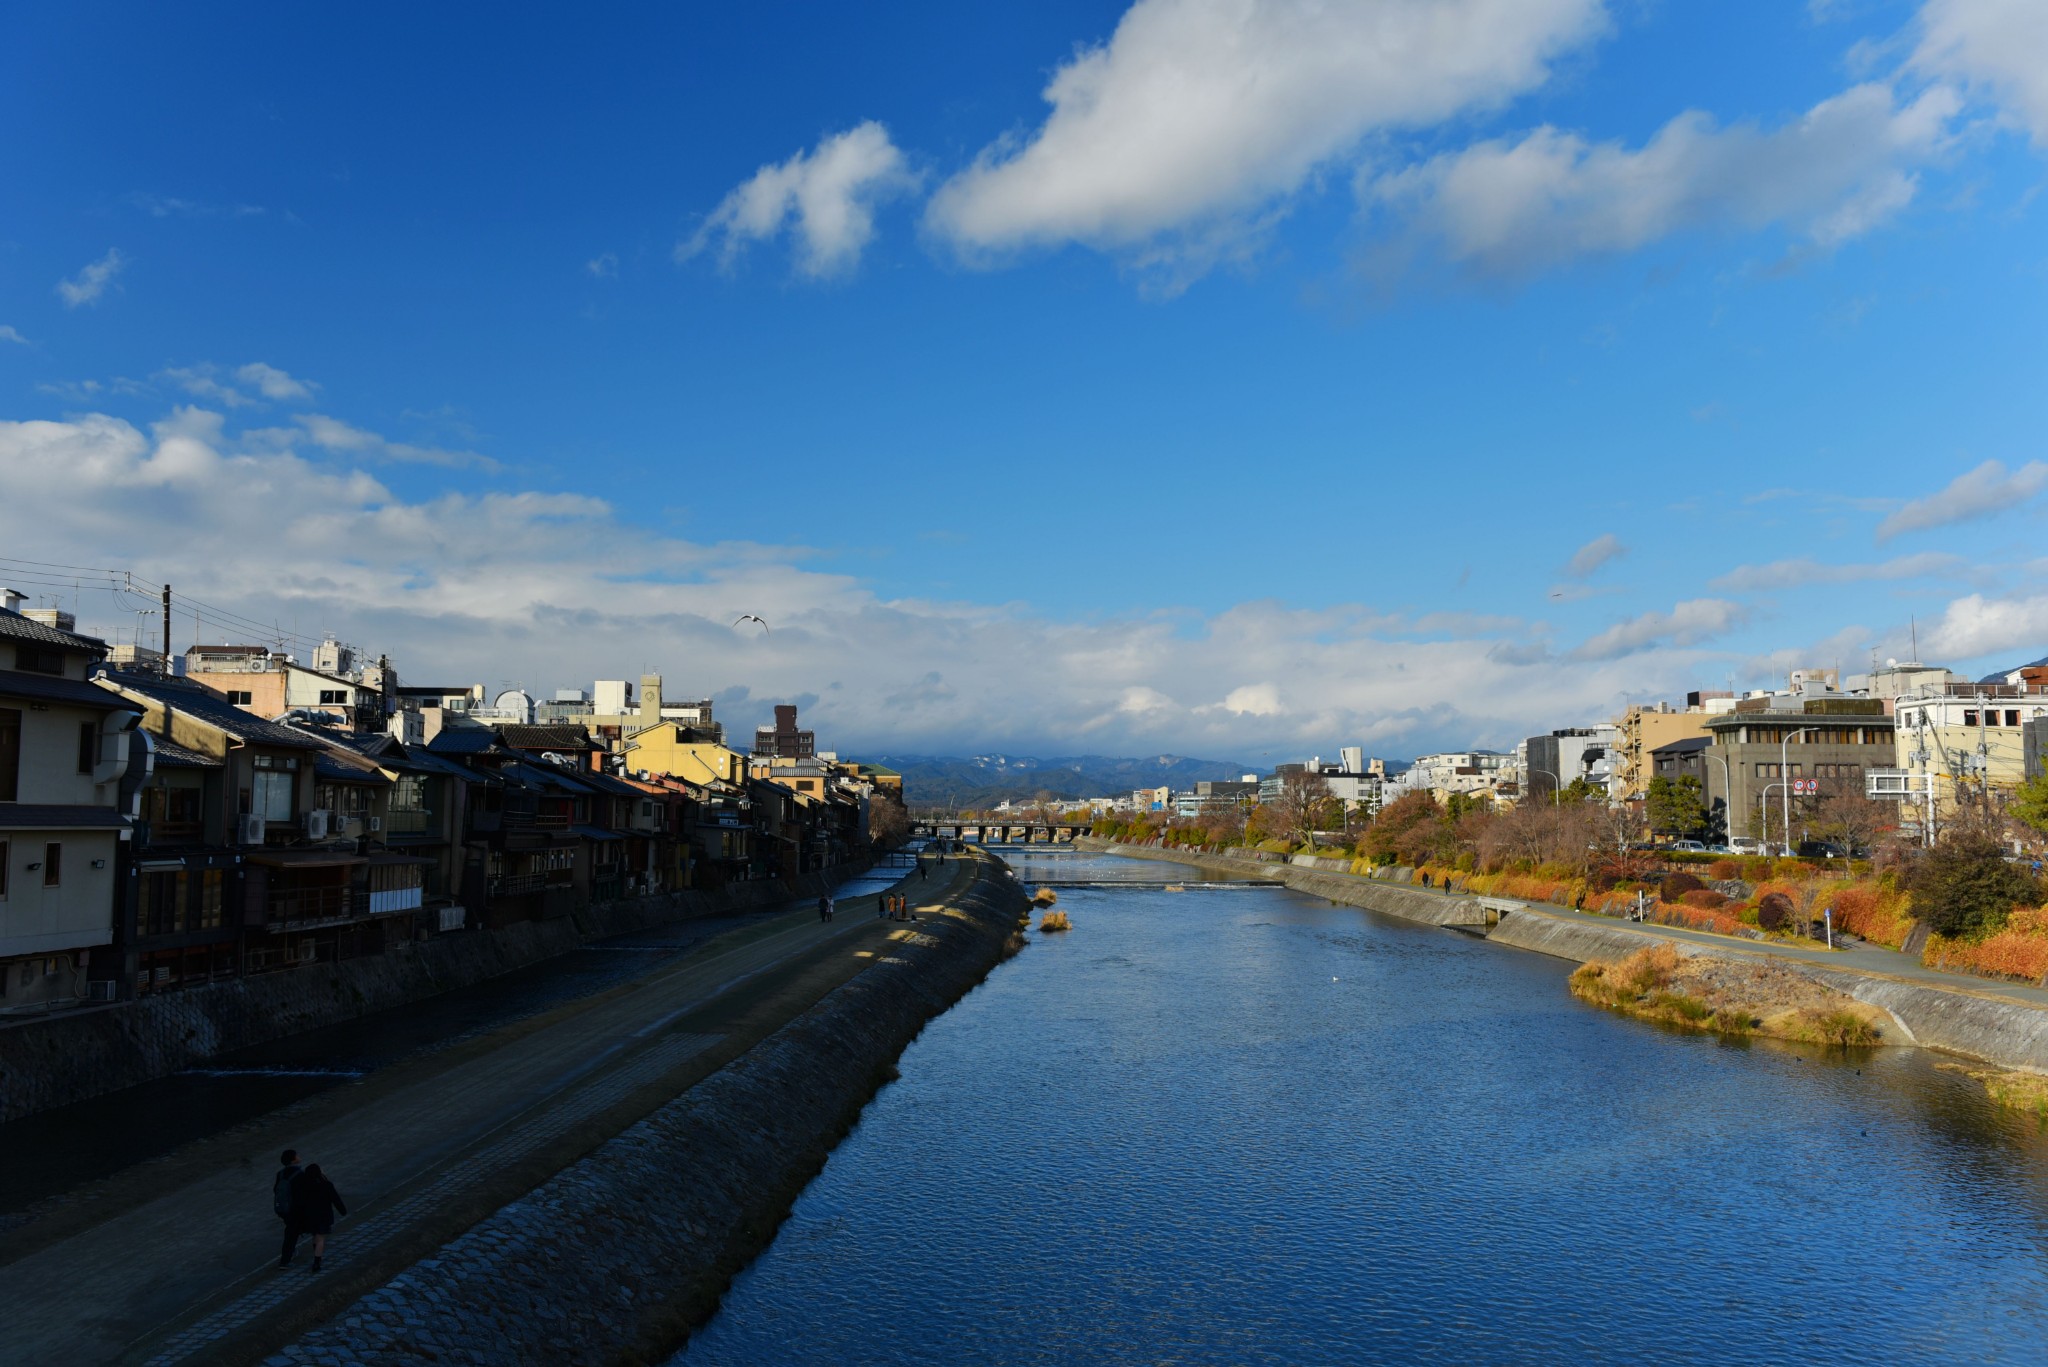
(1555, 782)
(1727, 794)
(1785, 772)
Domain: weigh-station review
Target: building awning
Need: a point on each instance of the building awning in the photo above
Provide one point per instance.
(381, 859)
(596, 833)
(306, 859)
(46, 816)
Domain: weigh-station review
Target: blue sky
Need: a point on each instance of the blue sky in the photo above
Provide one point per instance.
(1203, 375)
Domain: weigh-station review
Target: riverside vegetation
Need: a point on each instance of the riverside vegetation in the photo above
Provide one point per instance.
(1964, 905)
(1726, 997)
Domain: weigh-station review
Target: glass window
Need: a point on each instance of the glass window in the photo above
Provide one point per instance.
(10, 753)
(88, 746)
(271, 797)
(3, 870)
(39, 659)
(210, 882)
(53, 865)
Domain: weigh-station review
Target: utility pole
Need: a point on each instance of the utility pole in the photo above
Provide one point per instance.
(167, 631)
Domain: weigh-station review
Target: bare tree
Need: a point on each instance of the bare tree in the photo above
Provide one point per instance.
(1304, 799)
(1852, 820)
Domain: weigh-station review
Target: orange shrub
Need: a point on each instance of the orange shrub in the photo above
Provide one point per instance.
(1874, 914)
(1706, 899)
(1724, 870)
(1695, 917)
(2008, 953)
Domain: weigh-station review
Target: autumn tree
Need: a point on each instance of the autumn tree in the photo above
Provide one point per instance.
(1302, 803)
(1851, 820)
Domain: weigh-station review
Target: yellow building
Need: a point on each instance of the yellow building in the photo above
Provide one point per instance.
(1955, 744)
(1644, 729)
(683, 752)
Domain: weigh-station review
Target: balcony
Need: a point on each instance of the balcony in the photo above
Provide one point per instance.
(1897, 784)
(414, 821)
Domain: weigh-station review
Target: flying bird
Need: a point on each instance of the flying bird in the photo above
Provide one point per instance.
(750, 617)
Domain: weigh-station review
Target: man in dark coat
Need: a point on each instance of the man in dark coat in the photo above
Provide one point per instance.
(281, 1198)
(315, 1203)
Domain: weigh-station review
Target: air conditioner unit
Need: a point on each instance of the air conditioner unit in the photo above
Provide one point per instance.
(102, 990)
(376, 824)
(249, 829)
(317, 823)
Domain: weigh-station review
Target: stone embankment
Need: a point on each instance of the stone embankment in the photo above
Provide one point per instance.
(619, 1256)
(1979, 1021)
(53, 1060)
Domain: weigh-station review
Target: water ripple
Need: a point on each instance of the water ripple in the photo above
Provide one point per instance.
(1170, 1137)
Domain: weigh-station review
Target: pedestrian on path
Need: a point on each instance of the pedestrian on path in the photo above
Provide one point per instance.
(315, 1203)
(881, 906)
(921, 875)
(288, 1169)
(824, 907)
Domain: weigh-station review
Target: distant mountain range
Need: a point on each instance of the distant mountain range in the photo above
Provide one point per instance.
(983, 780)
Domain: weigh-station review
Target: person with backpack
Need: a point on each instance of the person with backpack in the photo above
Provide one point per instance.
(315, 1203)
(288, 1169)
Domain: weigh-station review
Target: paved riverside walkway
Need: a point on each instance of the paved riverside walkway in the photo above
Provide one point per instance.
(177, 1262)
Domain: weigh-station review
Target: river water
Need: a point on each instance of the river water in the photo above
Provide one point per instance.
(1243, 1125)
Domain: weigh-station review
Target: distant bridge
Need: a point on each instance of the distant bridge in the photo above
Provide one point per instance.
(1003, 832)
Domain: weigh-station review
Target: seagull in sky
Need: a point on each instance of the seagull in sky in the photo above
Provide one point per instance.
(750, 617)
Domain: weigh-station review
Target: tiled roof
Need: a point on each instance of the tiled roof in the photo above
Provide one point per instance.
(170, 755)
(47, 688)
(548, 738)
(15, 627)
(203, 704)
(337, 766)
(43, 816)
(464, 740)
(1690, 743)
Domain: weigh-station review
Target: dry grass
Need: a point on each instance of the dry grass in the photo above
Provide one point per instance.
(1044, 897)
(1053, 922)
(1727, 997)
(2016, 1091)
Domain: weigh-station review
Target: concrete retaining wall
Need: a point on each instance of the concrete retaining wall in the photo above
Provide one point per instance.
(53, 1060)
(617, 1257)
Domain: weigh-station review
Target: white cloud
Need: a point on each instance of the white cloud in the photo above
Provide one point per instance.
(556, 589)
(1198, 118)
(273, 383)
(603, 267)
(1593, 555)
(202, 382)
(332, 434)
(1512, 207)
(167, 206)
(1988, 489)
(1977, 625)
(1688, 623)
(92, 280)
(1998, 47)
(1793, 574)
(8, 334)
(830, 192)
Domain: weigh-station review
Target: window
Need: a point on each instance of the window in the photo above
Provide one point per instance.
(271, 798)
(332, 697)
(210, 899)
(10, 753)
(2012, 716)
(3, 870)
(88, 746)
(241, 697)
(160, 903)
(53, 865)
(39, 659)
(1970, 716)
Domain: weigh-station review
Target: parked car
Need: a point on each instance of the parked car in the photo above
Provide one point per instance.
(1689, 846)
(1743, 844)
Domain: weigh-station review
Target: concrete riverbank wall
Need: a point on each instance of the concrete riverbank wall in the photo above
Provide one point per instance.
(618, 1257)
(53, 1060)
(1976, 1022)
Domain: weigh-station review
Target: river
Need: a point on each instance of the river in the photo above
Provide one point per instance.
(1244, 1125)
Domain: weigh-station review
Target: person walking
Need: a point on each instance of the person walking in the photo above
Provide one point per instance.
(315, 1203)
(288, 1170)
(824, 907)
